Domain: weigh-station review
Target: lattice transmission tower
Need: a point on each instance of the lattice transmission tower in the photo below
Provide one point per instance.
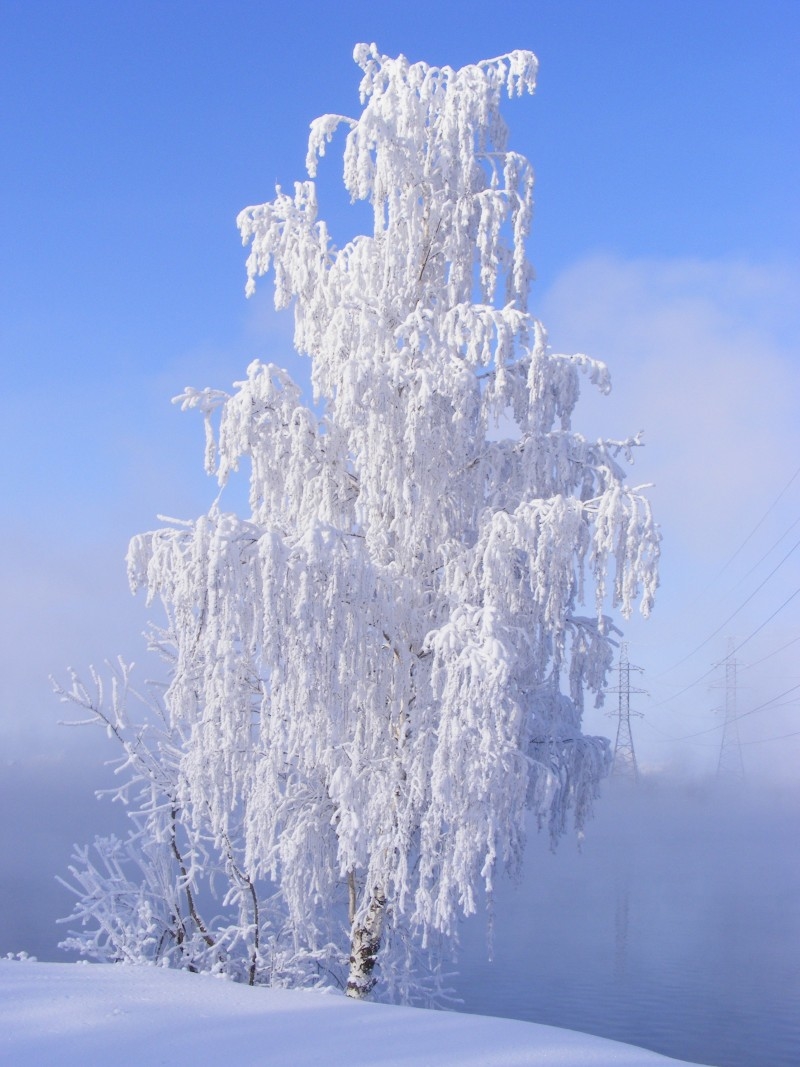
(624, 762)
(730, 765)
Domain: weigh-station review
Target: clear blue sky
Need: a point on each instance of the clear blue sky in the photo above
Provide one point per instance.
(665, 140)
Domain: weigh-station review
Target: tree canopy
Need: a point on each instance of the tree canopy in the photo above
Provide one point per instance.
(378, 671)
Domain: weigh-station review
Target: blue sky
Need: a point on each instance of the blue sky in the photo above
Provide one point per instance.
(665, 141)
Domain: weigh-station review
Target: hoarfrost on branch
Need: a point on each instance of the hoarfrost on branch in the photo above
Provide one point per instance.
(382, 668)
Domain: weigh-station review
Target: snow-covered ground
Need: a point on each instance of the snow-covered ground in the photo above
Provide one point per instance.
(69, 1014)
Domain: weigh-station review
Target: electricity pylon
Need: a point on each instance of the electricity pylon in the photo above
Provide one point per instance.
(730, 765)
(624, 761)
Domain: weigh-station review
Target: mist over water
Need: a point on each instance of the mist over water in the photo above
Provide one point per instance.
(675, 927)
(48, 806)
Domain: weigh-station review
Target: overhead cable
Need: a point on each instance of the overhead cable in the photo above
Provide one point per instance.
(758, 525)
(744, 715)
(743, 605)
(733, 652)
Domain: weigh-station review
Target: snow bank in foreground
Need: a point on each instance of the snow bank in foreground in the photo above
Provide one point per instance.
(72, 1014)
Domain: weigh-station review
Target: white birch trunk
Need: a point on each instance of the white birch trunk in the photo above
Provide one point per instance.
(365, 942)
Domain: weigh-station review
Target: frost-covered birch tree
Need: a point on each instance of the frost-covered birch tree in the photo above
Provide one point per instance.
(382, 668)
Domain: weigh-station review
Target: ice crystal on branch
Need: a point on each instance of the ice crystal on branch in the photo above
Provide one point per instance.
(382, 668)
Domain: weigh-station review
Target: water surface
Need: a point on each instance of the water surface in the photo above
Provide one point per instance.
(676, 927)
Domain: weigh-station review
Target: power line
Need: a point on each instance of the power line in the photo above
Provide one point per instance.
(747, 539)
(767, 553)
(733, 614)
(775, 653)
(764, 740)
(730, 560)
(744, 715)
(758, 629)
(689, 737)
(758, 525)
(741, 645)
